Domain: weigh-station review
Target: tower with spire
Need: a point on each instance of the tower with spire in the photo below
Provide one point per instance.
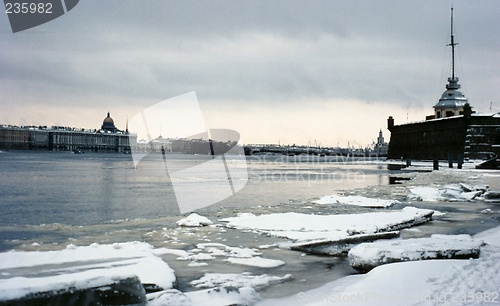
(452, 101)
(452, 133)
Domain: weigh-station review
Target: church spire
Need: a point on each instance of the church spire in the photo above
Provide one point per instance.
(452, 44)
(452, 101)
(452, 81)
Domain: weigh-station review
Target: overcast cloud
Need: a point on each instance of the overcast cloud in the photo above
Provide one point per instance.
(288, 71)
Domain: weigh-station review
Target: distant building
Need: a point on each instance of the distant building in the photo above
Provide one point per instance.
(161, 143)
(60, 138)
(381, 147)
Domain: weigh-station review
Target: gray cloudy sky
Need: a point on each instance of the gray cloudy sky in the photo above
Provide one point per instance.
(329, 72)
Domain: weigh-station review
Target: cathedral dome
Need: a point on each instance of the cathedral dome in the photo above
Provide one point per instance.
(108, 120)
(108, 124)
(451, 99)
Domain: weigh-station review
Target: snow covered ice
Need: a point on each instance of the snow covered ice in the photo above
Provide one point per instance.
(210, 280)
(235, 255)
(194, 220)
(81, 268)
(459, 192)
(301, 227)
(366, 256)
(354, 200)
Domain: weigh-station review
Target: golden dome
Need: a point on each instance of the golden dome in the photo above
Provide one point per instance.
(108, 120)
(108, 124)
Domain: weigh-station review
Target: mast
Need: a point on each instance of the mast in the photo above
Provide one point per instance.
(452, 44)
(452, 101)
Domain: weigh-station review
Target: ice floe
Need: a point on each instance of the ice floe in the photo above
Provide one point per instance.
(355, 200)
(366, 256)
(492, 197)
(302, 227)
(341, 246)
(194, 220)
(235, 255)
(256, 262)
(82, 267)
(211, 280)
(452, 192)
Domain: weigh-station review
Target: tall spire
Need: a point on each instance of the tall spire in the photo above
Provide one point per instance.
(452, 101)
(452, 81)
(452, 44)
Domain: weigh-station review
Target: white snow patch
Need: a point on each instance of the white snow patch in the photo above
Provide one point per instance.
(197, 264)
(355, 200)
(257, 262)
(208, 251)
(455, 192)
(194, 220)
(268, 246)
(81, 267)
(235, 255)
(487, 211)
(368, 255)
(491, 236)
(210, 280)
(298, 226)
(425, 193)
(163, 251)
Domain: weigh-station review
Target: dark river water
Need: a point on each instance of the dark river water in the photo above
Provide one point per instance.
(83, 189)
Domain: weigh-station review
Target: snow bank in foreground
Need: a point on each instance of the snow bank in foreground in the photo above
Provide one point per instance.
(80, 268)
(194, 220)
(303, 227)
(366, 256)
(428, 282)
(355, 200)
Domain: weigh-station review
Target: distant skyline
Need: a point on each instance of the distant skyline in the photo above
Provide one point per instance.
(323, 72)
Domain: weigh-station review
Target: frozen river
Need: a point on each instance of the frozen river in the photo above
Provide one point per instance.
(52, 200)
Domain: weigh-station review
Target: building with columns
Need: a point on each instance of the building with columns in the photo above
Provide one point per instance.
(59, 138)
